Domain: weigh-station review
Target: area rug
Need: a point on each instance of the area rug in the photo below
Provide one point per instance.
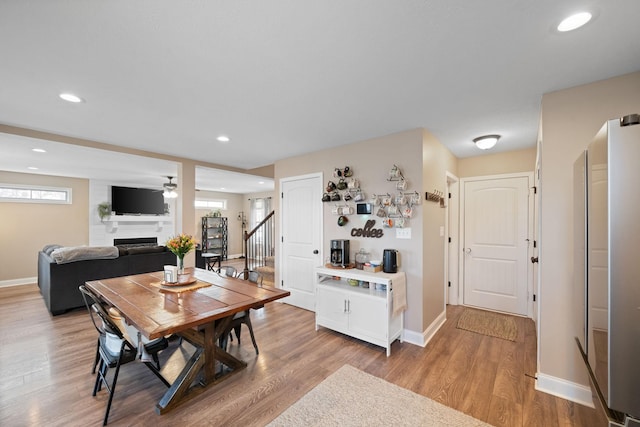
(488, 323)
(350, 397)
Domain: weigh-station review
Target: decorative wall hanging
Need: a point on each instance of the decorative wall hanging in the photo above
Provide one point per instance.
(368, 230)
(396, 209)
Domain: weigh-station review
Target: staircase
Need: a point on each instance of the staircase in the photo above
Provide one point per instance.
(259, 247)
(268, 271)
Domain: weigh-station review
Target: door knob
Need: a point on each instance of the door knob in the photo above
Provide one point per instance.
(467, 251)
(534, 259)
(315, 252)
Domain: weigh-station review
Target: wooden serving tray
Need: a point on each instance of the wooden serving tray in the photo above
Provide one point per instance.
(346, 267)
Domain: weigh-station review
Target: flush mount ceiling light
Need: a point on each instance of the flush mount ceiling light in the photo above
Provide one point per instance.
(223, 138)
(38, 150)
(170, 189)
(574, 22)
(71, 97)
(486, 142)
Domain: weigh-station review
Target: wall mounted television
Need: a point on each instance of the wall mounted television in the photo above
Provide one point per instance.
(136, 201)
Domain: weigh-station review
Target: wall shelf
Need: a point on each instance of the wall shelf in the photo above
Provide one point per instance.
(115, 220)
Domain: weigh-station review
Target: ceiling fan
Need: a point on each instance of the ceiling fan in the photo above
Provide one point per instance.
(170, 189)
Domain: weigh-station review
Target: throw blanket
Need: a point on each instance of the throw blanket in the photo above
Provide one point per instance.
(82, 253)
(399, 294)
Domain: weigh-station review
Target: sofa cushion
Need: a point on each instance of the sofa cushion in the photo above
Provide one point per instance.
(145, 250)
(82, 253)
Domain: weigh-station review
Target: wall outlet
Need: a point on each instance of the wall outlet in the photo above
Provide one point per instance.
(403, 233)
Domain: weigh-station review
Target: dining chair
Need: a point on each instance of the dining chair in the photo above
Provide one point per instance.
(113, 349)
(244, 317)
(229, 271)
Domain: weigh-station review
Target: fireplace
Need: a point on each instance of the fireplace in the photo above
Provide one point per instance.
(136, 241)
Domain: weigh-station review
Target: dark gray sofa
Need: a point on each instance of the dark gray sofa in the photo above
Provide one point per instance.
(59, 283)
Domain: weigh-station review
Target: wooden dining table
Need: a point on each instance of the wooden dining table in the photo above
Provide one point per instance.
(199, 316)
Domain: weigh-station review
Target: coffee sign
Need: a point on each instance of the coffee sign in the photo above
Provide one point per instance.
(368, 230)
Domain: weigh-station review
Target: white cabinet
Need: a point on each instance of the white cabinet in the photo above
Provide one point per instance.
(363, 313)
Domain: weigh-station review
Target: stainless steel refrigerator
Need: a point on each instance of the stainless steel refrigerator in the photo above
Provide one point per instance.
(607, 267)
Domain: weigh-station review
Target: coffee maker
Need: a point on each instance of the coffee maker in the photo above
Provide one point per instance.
(340, 253)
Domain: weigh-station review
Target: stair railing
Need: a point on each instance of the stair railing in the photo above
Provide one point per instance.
(259, 244)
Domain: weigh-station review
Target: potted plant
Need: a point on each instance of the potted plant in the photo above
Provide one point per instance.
(104, 210)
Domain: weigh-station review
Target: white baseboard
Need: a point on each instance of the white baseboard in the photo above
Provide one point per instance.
(564, 389)
(422, 339)
(16, 282)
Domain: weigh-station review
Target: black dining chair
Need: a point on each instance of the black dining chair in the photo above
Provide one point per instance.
(244, 317)
(114, 350)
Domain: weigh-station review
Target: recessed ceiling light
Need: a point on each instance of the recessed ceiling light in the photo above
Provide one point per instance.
(39, 150)
(71, 97)
(574, 22)
(32, 168)
(260, 182)
(223, 138)
(222, 188)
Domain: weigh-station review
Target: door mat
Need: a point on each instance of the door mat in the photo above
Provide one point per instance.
(488, 323)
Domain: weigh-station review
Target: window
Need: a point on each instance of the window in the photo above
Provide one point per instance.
(34, 194)
(211, 204)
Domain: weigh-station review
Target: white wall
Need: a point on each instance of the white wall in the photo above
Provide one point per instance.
(423, 161)
(102, 233)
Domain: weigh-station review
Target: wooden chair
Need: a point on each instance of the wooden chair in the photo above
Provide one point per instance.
(108, 355)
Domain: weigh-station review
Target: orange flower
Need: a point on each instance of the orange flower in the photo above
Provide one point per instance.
(181, 245)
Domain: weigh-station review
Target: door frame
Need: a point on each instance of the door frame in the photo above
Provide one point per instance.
(530, 232)
(451, 252)
(281, 261)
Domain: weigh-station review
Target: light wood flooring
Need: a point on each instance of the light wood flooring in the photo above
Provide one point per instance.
(45, 377)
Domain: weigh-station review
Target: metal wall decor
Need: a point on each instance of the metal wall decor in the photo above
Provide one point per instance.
(396, 209)
(343, 187)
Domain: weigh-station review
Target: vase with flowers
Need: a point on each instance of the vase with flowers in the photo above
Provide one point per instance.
(180, 246)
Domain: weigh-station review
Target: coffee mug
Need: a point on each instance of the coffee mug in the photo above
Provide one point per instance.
(337, 173)
(347, 196)
(336, 210)
(342, 184)
(401, 199)
(353, 183)
(401, 185)
(394, 172)
(347, 171)
(335, 197)
(381, 212)
(331, 186)
(386, 201)
(359, 196)
(392, 209)
(347, 210)
(374, 199)
(415, 198)
(407, 212)
(400, 223)
(326, 197)
(387, 223)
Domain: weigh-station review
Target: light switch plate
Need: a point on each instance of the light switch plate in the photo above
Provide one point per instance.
(403, 233)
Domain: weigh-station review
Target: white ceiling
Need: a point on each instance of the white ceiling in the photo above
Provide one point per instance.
(283, 78)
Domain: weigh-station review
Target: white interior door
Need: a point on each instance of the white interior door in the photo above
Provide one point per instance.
(301, 216)
(495, 249)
